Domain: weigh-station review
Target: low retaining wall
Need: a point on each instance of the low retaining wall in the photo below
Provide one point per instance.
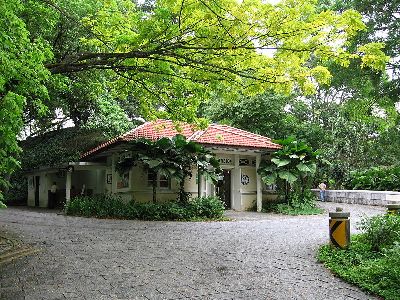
(380, 198)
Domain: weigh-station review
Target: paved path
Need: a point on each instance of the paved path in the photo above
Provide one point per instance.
(258, 256)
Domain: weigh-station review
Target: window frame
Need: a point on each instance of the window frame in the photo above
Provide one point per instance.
(159, 179)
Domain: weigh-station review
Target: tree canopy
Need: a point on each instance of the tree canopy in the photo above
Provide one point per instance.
(64, 59)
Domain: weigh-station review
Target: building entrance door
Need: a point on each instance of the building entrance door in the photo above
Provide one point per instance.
(224, 188)
(37, 184)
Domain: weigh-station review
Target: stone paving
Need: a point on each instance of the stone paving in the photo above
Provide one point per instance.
(257, 256)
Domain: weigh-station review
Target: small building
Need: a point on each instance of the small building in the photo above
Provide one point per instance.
(239, 153)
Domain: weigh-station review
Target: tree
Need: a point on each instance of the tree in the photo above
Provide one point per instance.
(167, 56)
(291, 167)
(22, 75)
(173, 158)
(262, 114)
(176, 54)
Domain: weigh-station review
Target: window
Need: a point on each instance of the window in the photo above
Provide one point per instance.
(123, 180)
(151, 175)
(162, 180)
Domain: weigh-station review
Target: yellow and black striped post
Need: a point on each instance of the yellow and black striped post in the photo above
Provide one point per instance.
(393, 209)
(339, 228)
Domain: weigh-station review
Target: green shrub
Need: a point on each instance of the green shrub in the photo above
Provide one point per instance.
(298, 204)
(380, 231)
(110, 206)
(372, 260)
(207, 207)
(373, 271)
(376, 178)
(17, 194)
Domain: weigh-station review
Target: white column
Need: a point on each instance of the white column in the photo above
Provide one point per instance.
(114, 175)
(259, 184)
(199, 184)
(236, 195)
(208, 188)
(68, 186)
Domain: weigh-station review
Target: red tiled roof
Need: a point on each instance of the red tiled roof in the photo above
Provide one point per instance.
(214, 134)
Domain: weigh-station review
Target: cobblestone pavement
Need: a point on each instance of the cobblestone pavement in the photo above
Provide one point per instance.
(257, 256)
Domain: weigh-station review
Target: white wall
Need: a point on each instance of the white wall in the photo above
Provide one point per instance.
(248, 191)
(31, 191)
(365, 197)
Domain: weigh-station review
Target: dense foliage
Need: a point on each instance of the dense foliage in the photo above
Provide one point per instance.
(22, 74)
(99, 63)
(373, 259)
(171, 157)
(50, 149)
(375, 178)
(291, 168)
(354, 120)
(110, 206)
(298, 204)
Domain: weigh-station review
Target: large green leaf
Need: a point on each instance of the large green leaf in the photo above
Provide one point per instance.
(313, 167)
(266, 169)
(153, 163)
(269, 179)
(309, 167)
(288, 176)
(280, 162)
(302, 167)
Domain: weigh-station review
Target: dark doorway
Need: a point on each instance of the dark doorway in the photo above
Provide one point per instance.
(224, 188)
(37, 184)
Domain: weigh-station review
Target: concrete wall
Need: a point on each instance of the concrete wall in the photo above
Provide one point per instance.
(134, 185)
(45, 184)
(31, 191)
(248, 187)
(380, 198)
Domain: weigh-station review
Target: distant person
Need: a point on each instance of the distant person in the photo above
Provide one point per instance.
(322, 191)
(53, 195)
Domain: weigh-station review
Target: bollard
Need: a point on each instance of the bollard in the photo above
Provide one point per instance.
(339, 228)
(393, 209)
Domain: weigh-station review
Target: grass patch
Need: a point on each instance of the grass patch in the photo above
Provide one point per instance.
(374, 271)
(111, 206)
(297, 204)
(287, 209)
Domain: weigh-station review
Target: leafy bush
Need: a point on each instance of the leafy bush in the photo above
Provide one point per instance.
(291, 168)
(373, 271)
(372, 260)
(110, 206)
(18, 192)
(376, 178)
(380, 231)
(298, 204)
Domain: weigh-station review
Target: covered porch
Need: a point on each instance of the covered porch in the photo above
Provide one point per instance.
(71, 179)
(239, 186)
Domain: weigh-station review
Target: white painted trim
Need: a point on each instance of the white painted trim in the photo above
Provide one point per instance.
(259, 184)
(68, 186)
(236, 197)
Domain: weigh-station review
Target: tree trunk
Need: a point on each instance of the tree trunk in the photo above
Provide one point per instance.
(182, 191)
(155, 190)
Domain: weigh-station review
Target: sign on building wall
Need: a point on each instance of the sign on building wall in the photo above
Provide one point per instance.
(245, 179)
(247, 162)
(225, 161)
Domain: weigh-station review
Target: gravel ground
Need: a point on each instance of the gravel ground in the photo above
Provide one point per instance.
(256, 256)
